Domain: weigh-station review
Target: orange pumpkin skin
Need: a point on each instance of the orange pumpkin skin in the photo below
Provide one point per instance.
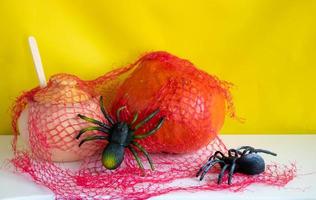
(193, 102)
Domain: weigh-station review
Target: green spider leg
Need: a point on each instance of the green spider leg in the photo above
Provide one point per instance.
(106, 115)
(94, 121)
(149, 117)
(96, 137)
(134, 119)
(92, 128)
(139, 162)
(118, 113)
(145, 153)
(161, 120)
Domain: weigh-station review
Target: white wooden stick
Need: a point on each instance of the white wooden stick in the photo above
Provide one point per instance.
(37, 62)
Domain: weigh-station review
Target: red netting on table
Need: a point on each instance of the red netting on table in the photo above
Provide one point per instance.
(53, 125)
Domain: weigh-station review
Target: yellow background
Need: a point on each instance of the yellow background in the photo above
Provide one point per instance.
(267, 48)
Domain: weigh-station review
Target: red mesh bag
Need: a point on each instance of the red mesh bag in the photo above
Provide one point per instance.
(193, 102)
(52, 122)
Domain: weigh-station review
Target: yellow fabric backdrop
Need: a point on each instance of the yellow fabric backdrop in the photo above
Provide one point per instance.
(266, 47)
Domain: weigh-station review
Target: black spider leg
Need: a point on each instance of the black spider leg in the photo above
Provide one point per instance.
(251, 150)
(221, 174)
(215, 155)
(231, 171)
(231, 151)
(246, 149)
(210, 165)
(105, 114)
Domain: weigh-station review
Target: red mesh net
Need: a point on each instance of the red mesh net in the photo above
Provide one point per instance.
(193, 102)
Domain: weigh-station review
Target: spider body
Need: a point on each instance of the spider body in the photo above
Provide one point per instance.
(250, 164)
(243, 160)
(120, 135)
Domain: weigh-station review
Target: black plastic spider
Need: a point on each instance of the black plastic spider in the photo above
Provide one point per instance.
(243, 160)
(120, 135)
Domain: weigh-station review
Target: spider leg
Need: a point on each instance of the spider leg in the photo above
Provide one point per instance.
(135, 118)
(139, 162)
(251, 149)
(231, 172)
(245, 152)
(204, 166)
(106, 115)
(161, 120)
(145, 153)
(212, 157)
(244, 147)
(221, 174)
(149, 117)
(95, 137)
(215, 155)
(231, 151)
(264, 151)
(118, 112)
(94, 121)
(92, 128)
(209, 167)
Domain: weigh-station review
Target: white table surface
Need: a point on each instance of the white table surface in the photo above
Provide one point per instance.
(290, 148)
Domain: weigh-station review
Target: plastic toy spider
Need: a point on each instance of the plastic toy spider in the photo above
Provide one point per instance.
(120, 135)
(243, 160)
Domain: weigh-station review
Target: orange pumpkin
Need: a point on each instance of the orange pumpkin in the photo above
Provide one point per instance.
(193, 102)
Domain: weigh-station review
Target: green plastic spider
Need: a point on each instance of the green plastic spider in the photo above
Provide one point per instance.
(120, 135)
